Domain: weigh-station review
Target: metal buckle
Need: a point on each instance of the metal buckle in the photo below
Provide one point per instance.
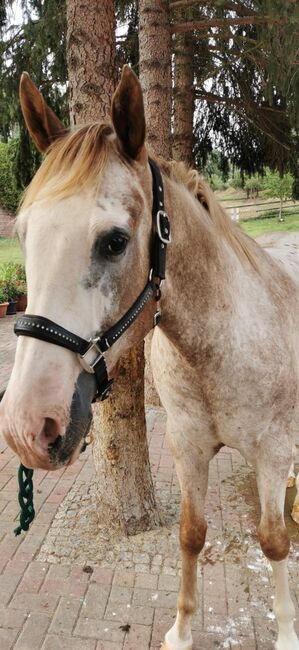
(157, 317)
(89, 367)
(164, 233)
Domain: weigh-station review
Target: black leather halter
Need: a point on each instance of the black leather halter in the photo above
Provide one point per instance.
(42, 328)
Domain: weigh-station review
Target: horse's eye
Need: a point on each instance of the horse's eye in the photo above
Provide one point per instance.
(112, 244)
(115, 244)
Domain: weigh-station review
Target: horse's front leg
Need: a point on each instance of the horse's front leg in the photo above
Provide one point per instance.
(192, 470)
(272, 471)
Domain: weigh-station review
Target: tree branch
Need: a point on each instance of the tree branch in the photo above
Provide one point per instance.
(231, 101)
(178, 28)
(213, 99)
(227, 4)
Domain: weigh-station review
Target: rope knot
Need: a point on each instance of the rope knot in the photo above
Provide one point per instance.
(25, 497)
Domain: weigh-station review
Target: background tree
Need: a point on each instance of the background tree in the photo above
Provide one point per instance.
(246, 80)
(244, 67)
(253, 185)
(91, 56)
(124, 486)
(38, 46)
(183, 97)
(155, 79)
(279, 187)
(8, 191)
(155, 72)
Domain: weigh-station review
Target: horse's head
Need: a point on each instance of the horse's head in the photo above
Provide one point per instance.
(85, 229)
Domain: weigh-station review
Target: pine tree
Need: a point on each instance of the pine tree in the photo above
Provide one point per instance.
(38, 46)
(247, 49)
(245, 57)
(125, 495)
(155, 72)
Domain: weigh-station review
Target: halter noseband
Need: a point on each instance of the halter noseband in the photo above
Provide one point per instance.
(42, 328)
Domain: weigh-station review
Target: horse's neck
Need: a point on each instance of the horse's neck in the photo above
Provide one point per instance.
(202, 275)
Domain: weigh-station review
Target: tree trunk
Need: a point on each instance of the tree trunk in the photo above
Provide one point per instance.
(125, 490)
(91, 57)
(183, 100)
(155, 79)
(280, 211)
(155, 72)
(125, 494)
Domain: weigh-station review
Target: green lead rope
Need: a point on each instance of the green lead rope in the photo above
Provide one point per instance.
(25, 498)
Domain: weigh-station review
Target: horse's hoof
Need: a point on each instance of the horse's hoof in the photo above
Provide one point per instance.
(291, 481)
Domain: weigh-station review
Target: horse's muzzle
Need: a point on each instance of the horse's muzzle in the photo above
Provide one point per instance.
(63, 449)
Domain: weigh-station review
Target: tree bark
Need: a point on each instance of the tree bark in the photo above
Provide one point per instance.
(155, 72)
(125, 491)
(91, 57)
(155, 79)
(183, 99)
(125, 494)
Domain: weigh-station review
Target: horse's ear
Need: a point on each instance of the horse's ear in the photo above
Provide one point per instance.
(42, 124)
(128, 114)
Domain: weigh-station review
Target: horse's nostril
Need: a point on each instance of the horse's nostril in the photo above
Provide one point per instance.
(49, 433)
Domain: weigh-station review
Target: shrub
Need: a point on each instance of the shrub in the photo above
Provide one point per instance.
(253, 185)
(237, 182)
(9, 194)
(2, 296)
(217, 183)
(12, 280)
(278, 187)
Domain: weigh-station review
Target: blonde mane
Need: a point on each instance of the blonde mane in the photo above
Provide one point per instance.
(72, 162)
(78, 159)
(238, 240)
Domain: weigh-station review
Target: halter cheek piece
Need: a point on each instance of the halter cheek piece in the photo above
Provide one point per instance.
(42, 328)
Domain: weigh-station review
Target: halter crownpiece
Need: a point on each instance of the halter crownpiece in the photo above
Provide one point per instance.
(42, 328)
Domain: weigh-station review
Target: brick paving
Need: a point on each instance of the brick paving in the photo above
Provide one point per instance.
(7, 349)
(57, 591)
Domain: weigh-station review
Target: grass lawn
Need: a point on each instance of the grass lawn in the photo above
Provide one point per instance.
(256, 227)
(10, 250)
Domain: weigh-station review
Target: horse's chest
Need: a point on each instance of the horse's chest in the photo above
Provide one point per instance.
(230, 390)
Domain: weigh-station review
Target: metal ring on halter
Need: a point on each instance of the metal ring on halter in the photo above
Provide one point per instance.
(89, 367)
(158, 292)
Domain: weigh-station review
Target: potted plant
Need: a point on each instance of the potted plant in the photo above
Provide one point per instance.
(20, 287)
(3, 303)
(8, 285)
(12, 307)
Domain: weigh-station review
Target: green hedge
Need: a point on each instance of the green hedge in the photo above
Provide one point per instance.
(9, 194)
(12, 280)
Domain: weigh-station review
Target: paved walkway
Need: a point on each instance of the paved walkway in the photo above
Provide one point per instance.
(58, 593)
(7, 348)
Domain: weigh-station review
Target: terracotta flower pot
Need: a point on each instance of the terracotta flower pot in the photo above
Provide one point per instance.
(3, 309)
(22, 303)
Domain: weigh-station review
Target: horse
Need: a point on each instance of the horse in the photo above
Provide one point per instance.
(225, 353)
